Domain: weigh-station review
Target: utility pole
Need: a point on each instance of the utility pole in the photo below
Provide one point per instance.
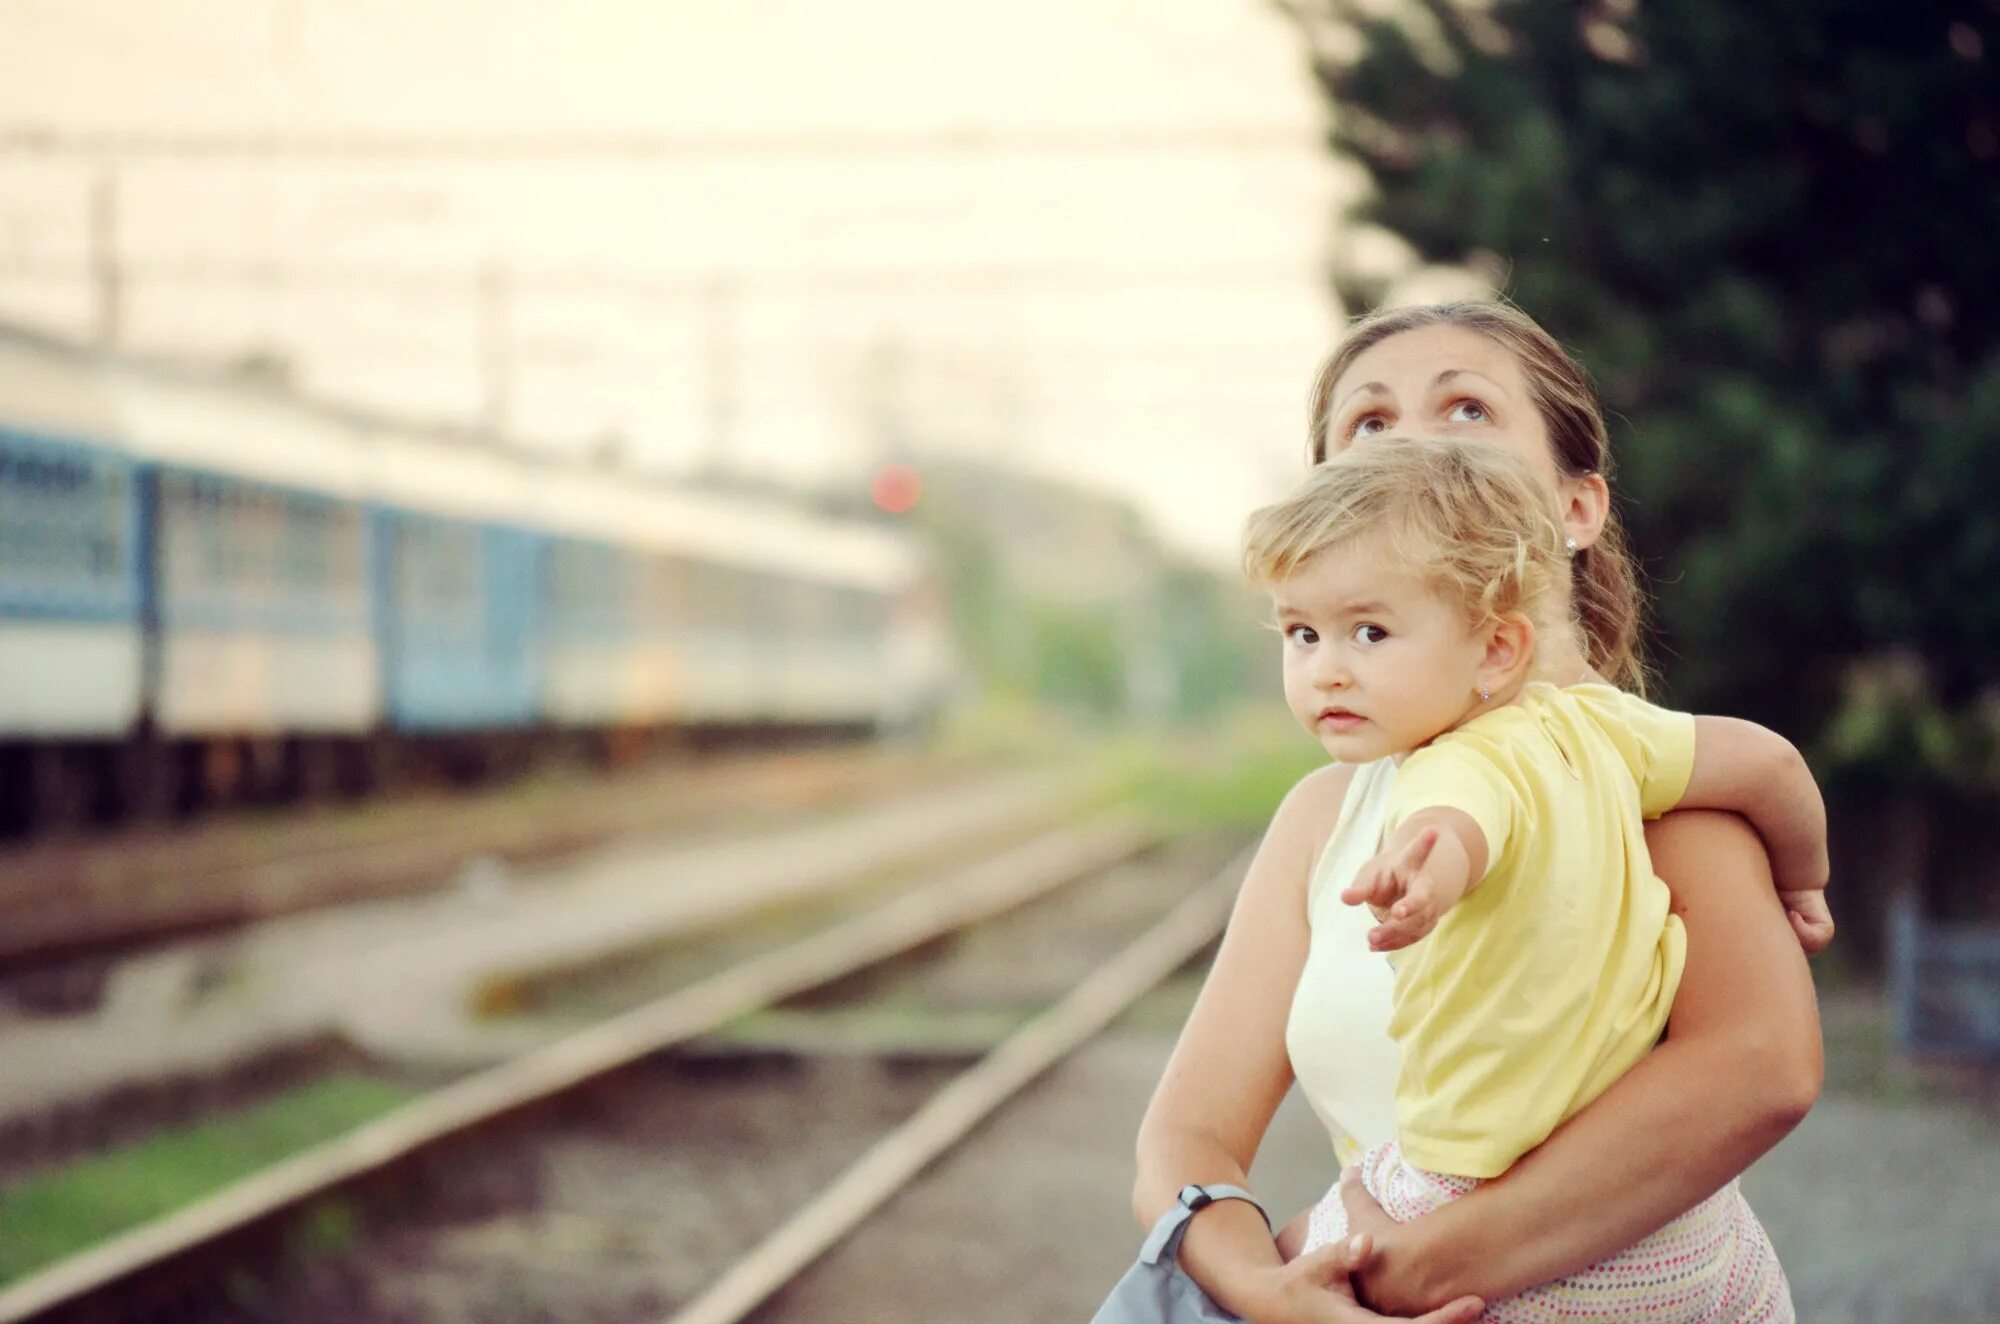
(719, 299)
(495, 314)
(106, 279)
(884, 374)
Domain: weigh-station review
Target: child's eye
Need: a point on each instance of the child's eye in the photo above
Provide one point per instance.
(1467, 411)
(1301, 636)
(1369, 634)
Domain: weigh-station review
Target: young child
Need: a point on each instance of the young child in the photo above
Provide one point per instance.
(1418, 585)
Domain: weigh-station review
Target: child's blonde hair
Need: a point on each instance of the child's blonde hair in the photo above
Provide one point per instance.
(1604, 575)
(1468, 518)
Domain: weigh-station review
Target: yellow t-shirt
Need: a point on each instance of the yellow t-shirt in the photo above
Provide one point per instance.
(1555, 974)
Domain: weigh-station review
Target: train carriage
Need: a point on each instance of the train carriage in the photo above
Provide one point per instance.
(609, 652)
(610, 604)
(262, 610)
(459, 617)
(71, 652)
(208, 588)
(260, 566)
(72, 588)
(459, 586)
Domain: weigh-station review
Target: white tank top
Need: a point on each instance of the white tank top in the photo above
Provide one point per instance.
(1338, 1031)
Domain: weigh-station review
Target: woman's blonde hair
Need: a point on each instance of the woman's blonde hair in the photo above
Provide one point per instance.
(1468, 518)
(1603, 580)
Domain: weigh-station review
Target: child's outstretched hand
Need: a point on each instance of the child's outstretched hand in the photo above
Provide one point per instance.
(1405, 890)
(1811, 920)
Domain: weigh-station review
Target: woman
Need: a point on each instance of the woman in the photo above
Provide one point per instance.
(1741, 1061)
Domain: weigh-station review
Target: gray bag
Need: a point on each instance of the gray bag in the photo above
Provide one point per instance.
(1157, 1290)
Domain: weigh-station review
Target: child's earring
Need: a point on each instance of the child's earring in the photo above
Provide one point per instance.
(1485, 695)
(1569, 545)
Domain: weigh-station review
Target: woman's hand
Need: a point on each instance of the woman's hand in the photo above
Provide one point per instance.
(1315, 1289)
(1365, 1216)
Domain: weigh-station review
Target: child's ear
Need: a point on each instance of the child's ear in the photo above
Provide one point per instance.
(1510, 647)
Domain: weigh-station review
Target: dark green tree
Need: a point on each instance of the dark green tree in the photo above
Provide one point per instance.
(1770, 233)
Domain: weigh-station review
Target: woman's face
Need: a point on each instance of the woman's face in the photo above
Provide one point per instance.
(1441, 381)
(1446, 381)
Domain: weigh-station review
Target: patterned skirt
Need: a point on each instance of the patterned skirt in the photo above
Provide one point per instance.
(1712, 1265)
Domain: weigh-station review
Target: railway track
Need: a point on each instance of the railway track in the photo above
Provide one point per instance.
(69, 909)
(144, 1272)
(411, 982)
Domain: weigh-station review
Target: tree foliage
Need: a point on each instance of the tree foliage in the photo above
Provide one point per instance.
(1769, 231)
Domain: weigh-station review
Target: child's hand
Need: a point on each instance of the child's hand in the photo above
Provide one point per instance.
(1405, 892)
(1811, 920)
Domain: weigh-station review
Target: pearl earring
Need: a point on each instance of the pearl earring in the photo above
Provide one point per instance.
(1569, 545)
(1485, 695)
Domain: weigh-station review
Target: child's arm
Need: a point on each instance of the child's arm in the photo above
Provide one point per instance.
(1757, 773)
(1432, 859)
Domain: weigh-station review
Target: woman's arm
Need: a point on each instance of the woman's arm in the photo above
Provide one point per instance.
(1230, 1070)
(1738, 1070)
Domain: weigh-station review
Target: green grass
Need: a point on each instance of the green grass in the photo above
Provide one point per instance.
(1230, 778)
(59, 1212)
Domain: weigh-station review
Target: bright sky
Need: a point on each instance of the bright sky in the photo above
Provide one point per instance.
(1080, 235)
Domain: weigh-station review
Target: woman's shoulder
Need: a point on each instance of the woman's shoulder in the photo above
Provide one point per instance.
(1311, 809)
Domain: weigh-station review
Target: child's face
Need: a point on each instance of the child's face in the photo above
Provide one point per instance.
(1376, 663)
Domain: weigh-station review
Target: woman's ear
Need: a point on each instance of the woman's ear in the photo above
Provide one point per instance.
(1586, 506)
(1510, 649)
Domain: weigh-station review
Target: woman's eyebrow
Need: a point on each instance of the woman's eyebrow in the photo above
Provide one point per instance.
(1450, 374)
(1371, 388)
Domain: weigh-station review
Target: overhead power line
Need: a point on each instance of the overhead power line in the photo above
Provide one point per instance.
(612, 145)
(975, 277)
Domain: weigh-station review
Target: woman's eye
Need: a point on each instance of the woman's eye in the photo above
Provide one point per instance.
(1369, 634)
(1301, 636)
(1467, 411)
(1368, 425)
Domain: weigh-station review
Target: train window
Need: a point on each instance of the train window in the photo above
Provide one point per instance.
(703, 598)
(182, 536)
(346, 558)
(62, 520)
(667, 598)
(210, 536)
(109, 533)
(245, 540)
(302, 547)
(733, 591)
(792, 608)
(870, 616)
(593, 587)
(437, 573)
(318, 558)
(801, 609)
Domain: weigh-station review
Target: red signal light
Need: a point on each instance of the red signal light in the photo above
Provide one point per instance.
(895, 489)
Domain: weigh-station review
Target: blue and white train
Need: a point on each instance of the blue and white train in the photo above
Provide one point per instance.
(209, 592)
